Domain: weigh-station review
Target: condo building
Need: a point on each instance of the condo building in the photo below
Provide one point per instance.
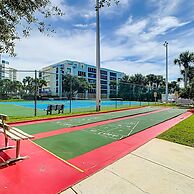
(53, 76)
(7, 72)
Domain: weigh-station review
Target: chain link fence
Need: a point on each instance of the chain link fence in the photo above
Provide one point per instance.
(25, 93)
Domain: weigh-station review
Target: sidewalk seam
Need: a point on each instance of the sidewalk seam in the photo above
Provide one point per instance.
(161, 165)
(74, 190)
(127, 181)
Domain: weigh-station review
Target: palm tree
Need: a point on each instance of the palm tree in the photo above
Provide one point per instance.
(160, 81)
(41, 83)
(185, 59)
(190, 74)
(138, 79)
(28, 84)
(151, 79)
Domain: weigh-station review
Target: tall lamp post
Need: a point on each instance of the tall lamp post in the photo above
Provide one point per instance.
(166, 46)
(98, 87)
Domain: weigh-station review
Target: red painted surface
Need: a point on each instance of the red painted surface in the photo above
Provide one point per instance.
(65, 130)
(43, 173)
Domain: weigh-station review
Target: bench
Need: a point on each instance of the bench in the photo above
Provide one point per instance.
(58, 107)
(14, 134)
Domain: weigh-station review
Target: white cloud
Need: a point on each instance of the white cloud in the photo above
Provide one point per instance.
(133, 48)
(162, 25)
(132, 68)
(164, 7)
(38, 50)
(131, 28)
(84, 26)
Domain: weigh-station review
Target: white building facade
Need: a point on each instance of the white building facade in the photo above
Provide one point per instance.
(7, 72)
(53, 75)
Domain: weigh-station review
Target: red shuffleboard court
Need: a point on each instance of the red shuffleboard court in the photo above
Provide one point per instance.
(45, 173)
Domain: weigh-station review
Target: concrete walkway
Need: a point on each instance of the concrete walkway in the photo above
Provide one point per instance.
(158, 167)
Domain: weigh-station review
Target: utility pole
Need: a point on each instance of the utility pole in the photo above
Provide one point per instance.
(166, 46)
(98, 86)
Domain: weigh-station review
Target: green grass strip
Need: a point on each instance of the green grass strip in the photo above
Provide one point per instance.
(66, 123)
(182, 133)
(70, 145)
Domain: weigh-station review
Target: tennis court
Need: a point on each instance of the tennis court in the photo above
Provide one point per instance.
(27, 108)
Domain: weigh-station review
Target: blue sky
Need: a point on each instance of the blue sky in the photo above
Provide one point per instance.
(132, 36)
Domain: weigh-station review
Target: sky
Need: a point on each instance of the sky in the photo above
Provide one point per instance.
(132, 36)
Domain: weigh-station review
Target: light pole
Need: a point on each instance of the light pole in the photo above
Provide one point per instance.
(35, 94)
(166, 46)
(98, 87)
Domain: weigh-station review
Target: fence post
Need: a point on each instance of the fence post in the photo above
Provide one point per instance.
(70, 102)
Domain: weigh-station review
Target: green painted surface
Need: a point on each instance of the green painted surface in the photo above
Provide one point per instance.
(66, 123)
(70, 145)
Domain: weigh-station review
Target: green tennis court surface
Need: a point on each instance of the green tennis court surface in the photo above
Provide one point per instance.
(66, 123)
(70, 145)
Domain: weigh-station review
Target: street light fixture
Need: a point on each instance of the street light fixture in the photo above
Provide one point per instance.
(166, 46)
(98, 87)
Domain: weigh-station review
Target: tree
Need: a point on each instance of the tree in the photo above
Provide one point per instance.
(73, 84)
(185, 60)
(28, 84)
(113, 89)
(5, 87)
(190, 73)
(22, 14)
(102, 3)
(151, 79)
(173, 86)
(41, 83)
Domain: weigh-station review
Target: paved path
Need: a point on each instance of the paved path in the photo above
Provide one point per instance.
(158, 167)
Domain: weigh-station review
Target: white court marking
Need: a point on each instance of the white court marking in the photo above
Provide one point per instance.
(110, 132)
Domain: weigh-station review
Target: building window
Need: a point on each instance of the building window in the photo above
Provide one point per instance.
(103, 82)
(57, 83)
(112, 78)
(92, 81)
(103, 77)
(113, 87)
(40, 74)
(92, 91)
(113, 74)
(82, 73)
(93, 70)
(104, 91)
(68, 70)
(57, 77)
(57, 90)
(102, 72)
(103, 86)
(91, 75)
